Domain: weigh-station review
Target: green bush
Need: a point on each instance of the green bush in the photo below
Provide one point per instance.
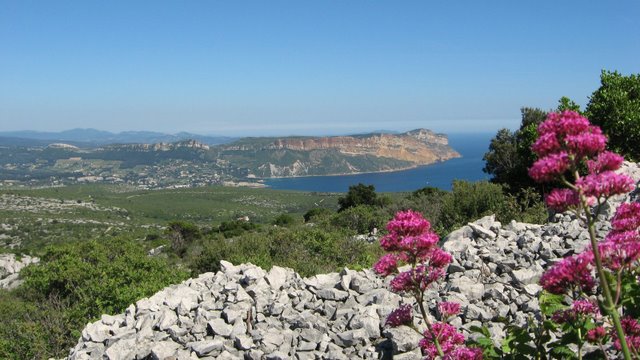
(362, 194)
(361, 219)
(316, 214)
(181, 234)
(284, 220)
(78, 282)
(236, 227)
(615, 107)
(308, 250)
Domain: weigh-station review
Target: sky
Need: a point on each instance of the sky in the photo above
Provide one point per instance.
(303, 67)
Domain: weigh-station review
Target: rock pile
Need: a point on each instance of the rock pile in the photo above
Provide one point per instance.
(245, 312)
(10, 267)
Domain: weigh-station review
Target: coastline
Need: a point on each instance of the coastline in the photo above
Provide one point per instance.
(357, 173)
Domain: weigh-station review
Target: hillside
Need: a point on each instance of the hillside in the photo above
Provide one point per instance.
(193, 163)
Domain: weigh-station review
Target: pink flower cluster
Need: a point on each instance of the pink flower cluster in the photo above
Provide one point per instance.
(570, 273)
(448, 309)
(596, 335)
(621, 248)
(631, 328)
(566, 141)
(451, 342)
(580, 310)
(410, 240)
(400, 316)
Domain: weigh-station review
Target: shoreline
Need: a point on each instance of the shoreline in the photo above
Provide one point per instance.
(356, 173)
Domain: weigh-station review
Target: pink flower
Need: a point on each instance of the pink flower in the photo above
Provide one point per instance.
(387, 265)
(588, 143)
(464, 353)
(580, 311)
(631, 328)
(420, 245)
(574, 271)
(605, 184)
(596, 335)
(562, 199)
(448, 337)
(606, 161)
(390, 242)
(408, 223)
(546, 144)
(400, 316)
(448, 309)
(627, 217)
(550, 167)
(402, 282)
(585, 307)
(440, 258)
(619, 253)
(564, 123)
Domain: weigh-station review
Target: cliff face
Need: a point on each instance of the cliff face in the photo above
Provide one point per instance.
(300, 156)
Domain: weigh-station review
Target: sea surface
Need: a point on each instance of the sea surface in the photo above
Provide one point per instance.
(472, 147)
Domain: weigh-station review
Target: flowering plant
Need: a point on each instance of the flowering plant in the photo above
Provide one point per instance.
(572, 152)
(411, 241)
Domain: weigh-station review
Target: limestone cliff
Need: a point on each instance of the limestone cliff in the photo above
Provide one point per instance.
(300, 156)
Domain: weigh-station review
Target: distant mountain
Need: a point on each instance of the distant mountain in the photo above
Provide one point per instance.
(93, 137)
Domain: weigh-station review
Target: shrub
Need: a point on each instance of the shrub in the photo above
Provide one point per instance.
(316, 213)
(615, 107)
(78, 282)
(284, 220)
(361, 219)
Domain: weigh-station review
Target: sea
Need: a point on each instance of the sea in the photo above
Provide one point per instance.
(472, 147)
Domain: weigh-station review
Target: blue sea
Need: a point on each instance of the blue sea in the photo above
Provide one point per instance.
(469, 167)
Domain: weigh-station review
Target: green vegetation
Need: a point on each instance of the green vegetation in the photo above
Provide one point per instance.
(76, 283)
(615, 107)
(362, 194)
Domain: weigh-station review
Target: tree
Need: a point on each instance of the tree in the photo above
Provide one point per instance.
(510, 156)
(181, 234)
(361, 194)
(615, 107)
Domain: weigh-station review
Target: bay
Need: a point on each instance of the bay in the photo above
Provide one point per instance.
(472, 147)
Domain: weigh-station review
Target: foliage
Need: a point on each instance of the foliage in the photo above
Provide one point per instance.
(308, 250)
(362, 219)
(316, 213)
(181, 234)
(76, 283)
(361, 194)
(236, 227)
(284, 220)
(509, 154)
(615, 107)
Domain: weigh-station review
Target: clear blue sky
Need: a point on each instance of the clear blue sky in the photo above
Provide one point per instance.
(303, 67)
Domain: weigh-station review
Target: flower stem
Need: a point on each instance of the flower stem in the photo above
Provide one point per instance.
(420, 298)
(604, 284)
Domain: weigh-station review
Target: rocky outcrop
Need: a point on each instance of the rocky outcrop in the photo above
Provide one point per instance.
(10, 267)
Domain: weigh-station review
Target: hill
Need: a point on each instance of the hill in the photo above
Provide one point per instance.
(39, 162)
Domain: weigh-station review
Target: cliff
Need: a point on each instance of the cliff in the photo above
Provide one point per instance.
(302, 156)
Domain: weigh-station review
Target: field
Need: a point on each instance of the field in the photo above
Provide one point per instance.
(31, 219)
